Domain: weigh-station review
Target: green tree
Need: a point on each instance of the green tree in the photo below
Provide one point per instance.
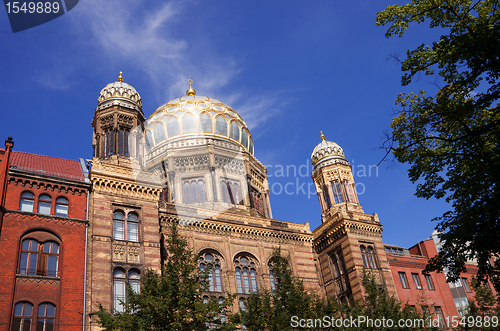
(451, 140)
(483, 312)
(377, 305)
(171, 300)
(273, 310)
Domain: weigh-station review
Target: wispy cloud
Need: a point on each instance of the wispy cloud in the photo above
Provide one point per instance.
(122, 29)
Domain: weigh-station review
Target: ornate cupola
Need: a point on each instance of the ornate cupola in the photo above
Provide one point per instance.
(332, 176)
(118, 123)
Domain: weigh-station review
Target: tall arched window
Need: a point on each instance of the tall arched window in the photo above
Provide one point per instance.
(132, 227)
(326, 197)
(206, 123)
(149, 140)
(159, 133)
(231, 192)
(221, 125)
(23, 313)
(44, 203)
(119, 289)
(134, 277)
(118, 225)
(62, 207)
(337, 192)
(123, 142)
(371, 257)
(244, 138)
(188, 123)
(212, 261)
(246, 274)
(125, 230)
(46, 317)
(27, 200)
(272, 278)
(29, 257)
(350, 191)
(194, 191)
(173, 127)
(363, 256)
(235, 131)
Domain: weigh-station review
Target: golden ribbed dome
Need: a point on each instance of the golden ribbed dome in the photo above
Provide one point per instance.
(196, 116)
(120, 92)
(326, 151)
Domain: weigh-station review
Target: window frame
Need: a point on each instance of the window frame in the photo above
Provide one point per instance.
(403, 280)
(124, 225)
(245, 274)
(121, 282)
(430, 283)
(27, 199)
(416, 281)
(44, 203)
(45, 317)
(215, 283)
(466, 285)
(60, 203)
(42, 257)
(193, 190)
(22, 318)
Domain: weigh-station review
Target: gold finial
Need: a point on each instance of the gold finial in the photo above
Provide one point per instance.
(190, 90)
(120, 78)
(322, 136)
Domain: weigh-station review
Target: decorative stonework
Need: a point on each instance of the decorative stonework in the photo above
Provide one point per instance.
(125, 120)
(33, 183)
(191, 163)
(133, 254)
(107, 121)
(229, 164)
(130, 190)
(119, 252)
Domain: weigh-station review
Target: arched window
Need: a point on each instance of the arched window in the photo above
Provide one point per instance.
(132, 227)
(231, 192)
(173, 127)
(188, 123)
(246, 274)
(118, 225)
(46, 317)
(44, 203)
(134, 277)
(250, 146)
(371, 257)
(123, 142)
(194, 191)
(39, 259)
(349, 190)
(159, 133)
(27, 200)
(206, 123)
(212, 261)
(241, 304)
(326, 197)
(109, 142)
(257, 201)
(119, 289)
(235, 131)
(337, 192)
(62, 207)
(125, 230)
(363, 255)
(23, 313)
(221, 125)
(244, 138)
(272, 279)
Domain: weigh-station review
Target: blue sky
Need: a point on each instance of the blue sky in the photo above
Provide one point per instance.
(290, 68)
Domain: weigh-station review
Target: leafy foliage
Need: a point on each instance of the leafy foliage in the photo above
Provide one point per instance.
(172, 300)
(273, 310)
(452, 139)
(484, 309)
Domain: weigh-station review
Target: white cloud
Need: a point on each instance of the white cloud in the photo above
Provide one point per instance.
(123, 30)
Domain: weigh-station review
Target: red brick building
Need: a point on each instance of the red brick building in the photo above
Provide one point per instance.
(43, 207)
(430, 293)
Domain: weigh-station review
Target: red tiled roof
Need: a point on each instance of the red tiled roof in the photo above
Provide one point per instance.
(47, 165)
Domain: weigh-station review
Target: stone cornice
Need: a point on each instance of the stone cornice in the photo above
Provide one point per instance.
(21, 176)
(47, 218)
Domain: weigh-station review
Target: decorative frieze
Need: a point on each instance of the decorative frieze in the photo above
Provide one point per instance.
(119, 252)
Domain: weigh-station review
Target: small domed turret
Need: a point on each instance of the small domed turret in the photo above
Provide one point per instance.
(327, 152)
(121, 93)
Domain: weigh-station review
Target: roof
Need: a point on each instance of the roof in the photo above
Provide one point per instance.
(47, 165)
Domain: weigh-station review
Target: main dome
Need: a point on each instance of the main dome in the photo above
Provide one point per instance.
(120, 92)
(196, 116)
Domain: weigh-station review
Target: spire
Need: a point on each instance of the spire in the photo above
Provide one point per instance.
(120, 78)
(322, 136)
(190, 91)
